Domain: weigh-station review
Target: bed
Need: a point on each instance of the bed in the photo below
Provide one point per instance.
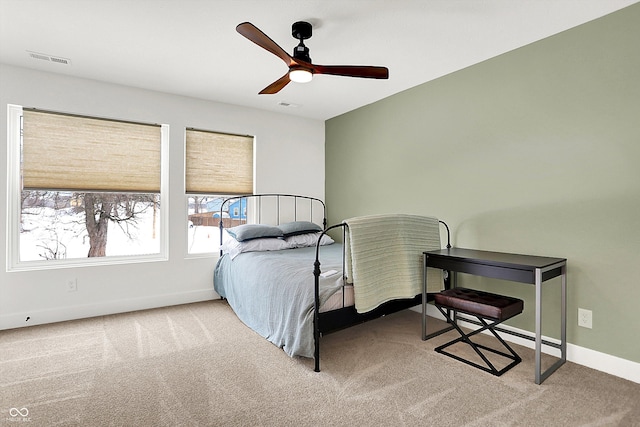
(289, 281)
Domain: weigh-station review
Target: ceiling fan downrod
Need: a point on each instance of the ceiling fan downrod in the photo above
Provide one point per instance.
(302, 31)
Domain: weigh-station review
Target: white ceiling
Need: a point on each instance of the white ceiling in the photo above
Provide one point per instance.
(191, 48)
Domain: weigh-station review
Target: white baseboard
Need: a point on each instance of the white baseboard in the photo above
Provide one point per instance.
(61, 314)
(612, 365)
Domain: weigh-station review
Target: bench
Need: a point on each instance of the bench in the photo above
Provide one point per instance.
(491, 310)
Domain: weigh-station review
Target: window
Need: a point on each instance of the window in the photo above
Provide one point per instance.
(217, 165)
(84, 189)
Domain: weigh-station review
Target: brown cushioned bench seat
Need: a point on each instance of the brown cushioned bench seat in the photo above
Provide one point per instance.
(480, 303)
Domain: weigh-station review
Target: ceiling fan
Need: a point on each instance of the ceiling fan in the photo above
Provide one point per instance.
(300, 67)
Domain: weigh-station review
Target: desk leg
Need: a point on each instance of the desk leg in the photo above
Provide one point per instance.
(424, 299)
(538, 326)
(563, 332)
(541, 376)
(426, 336)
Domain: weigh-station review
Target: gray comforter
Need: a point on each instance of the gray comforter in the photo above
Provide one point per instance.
(273, 292)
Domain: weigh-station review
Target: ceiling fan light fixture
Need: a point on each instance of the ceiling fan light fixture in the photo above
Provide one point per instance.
(300, 75)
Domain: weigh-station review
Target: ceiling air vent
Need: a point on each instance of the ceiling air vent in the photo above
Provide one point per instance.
(49, 58)
(287, 104)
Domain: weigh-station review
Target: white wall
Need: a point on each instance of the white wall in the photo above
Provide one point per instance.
(285, 162)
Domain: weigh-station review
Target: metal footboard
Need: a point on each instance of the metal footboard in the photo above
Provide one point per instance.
(345, 317)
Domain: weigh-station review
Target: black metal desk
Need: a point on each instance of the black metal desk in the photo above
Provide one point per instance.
(528, 269)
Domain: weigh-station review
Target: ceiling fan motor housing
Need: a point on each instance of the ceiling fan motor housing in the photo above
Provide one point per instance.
(302, 31)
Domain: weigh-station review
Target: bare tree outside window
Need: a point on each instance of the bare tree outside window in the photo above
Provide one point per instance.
(123, 210)
(59, 225)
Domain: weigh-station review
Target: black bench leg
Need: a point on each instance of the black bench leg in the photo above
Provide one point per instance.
(464, 337)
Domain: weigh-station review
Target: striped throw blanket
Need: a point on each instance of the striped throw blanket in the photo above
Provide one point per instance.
(384, 259)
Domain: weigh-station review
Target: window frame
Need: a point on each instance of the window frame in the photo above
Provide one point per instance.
(14, 152)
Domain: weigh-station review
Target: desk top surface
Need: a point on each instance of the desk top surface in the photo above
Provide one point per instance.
(509, 260)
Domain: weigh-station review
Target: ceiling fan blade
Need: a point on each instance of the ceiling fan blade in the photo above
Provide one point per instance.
(252, 33)
(366, 72)
(276, 86)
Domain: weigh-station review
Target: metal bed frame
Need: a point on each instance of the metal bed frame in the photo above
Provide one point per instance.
(342, 318)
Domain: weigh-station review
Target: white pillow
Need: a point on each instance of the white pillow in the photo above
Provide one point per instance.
(308, 239)
(235, 248)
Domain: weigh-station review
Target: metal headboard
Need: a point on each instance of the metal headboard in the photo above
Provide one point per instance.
(259, 204)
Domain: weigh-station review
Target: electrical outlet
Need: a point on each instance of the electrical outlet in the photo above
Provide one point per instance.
(72, 285)
(585, 318)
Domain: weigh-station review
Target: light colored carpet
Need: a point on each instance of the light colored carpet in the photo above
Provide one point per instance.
(198, 365)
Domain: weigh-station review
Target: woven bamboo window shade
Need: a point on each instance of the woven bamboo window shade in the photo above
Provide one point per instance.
(218, 163)
(75, 153)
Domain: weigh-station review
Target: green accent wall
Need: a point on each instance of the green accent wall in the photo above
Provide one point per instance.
(535, 151)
